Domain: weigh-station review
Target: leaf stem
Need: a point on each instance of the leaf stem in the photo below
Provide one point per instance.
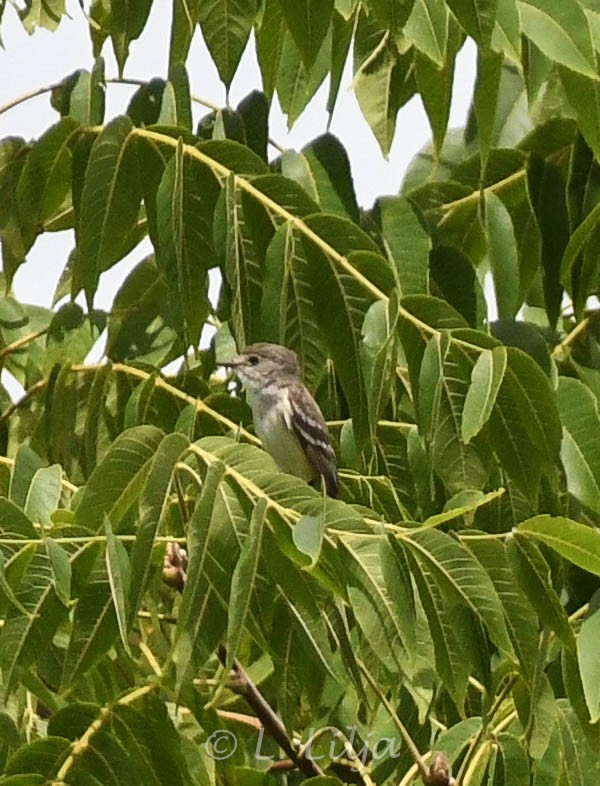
(201, 406)
(78, 747)
(474, 752)
(448, 207)
(21, 342)
(558, 353)
(414, 751)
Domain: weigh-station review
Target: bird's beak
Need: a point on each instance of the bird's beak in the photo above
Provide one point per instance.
(230, 363)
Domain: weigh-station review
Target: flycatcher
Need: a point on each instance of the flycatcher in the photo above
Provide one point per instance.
(286, 417)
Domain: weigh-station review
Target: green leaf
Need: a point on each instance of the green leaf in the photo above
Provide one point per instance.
(485, 100)
(241, 267)
(435, 87)
(507, 31)
(341, 304)
(244, 580)
(477, 18)
(576, 542)
(521, 621)
(383, 81)
(38, 13)
(288, 313)
(503, 257)
(113, 487)
(451, 662)
(270, 37)
(583, 94)
(442, 389)
(153, 508)
(308, 536)
(533, 574)
(580, 448)
(427, 29)
(577, 241)
(183, 26)
(201, 620)
(45, 177)
(560, 29)
(94, 630)
(512, 763)
(44, 494)
(61, 570)
(81, 95)
(378, 357)
(109, 205)
(486, 378)
(407, 243)
(226, 26)
(40, 756)
(296, 85)
(460, 578)
(308, 22)
(329, 175)
(342, 30)
(580, 760)
(127, 21)
(24, 639)
(588, 657)
(7, 590)
(27, 463)
(119, 578)
(524, 426)
(547, 186)
(381, 598)
(185, 254)
(464, 503)
(526, 336)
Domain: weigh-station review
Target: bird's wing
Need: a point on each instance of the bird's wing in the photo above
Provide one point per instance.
(310, 428)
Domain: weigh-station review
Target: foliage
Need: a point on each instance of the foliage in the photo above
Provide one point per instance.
(452, 592)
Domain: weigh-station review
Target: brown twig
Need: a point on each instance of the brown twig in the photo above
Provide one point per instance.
(243, 686)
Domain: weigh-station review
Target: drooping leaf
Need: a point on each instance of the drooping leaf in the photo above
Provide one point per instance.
(308, 22)
(185, 253)
(576, 542)
(109, 205)
(119, 578)
(580, 448)
(486, 378)
(243, 580)
(115, 482)
(226, 26)
(561, 30)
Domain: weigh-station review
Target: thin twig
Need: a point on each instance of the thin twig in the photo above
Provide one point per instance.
(29, 394)
(408, 741)
(63, 481)
(21, 342)
(559, 350)
(78, 747)
(243, 686)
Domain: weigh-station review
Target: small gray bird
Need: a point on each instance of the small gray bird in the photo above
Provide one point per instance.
(286, 417)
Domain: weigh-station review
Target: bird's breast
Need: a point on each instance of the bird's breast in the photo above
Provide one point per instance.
(272, 419)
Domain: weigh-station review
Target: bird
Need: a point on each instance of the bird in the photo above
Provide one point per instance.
(286, 417)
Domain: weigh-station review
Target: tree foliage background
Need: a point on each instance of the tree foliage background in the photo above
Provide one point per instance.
(451, 595)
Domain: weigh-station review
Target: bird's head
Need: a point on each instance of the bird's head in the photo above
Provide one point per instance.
(261, 365)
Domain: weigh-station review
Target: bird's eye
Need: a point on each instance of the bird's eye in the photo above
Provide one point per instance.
(253, 360)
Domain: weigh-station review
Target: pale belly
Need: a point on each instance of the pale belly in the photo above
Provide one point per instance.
(282, 444)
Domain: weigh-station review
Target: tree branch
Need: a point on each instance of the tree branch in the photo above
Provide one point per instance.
(243, 686)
